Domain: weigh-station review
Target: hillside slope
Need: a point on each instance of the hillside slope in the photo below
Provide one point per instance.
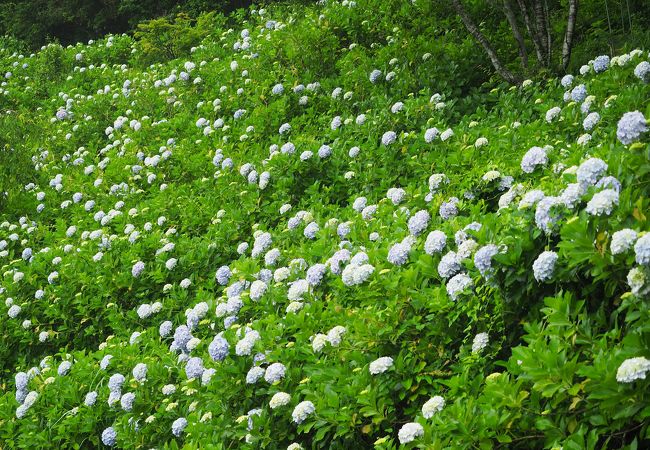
(251, 248)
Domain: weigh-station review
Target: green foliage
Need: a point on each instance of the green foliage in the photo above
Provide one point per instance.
(163, 39)
(134, 169)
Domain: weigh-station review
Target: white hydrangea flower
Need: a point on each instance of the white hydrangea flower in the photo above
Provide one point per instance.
(480, 342)
(432, 406)
(633, 369)
(410, 432)
(381, 365)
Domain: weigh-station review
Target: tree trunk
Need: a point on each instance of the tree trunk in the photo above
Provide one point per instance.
(532, 32)
(547, 27)
(567, 45)
(476, 33)
(538, 8)
(512, 20)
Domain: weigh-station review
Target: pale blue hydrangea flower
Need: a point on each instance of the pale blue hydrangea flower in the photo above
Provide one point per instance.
(396, 195)
(534, 158)
(359, 203)
(22, 379)
(288, 148)
(315, 274)
(64, 368)
(194, 368)
(91, 398)
(602, 203)
(591, 121)
(633, 369)
(304, 156)
(397, 107)
(168, 389)
(105, 362)
(179, 426)
(182, 336)
(579, 93)
(127, 401)
(436, 242)
(590, 171)
(271, 257)
(399, 253)
(601, 63)
(431, 134)
(254, 374)
(165, 328)
(274, 373)
(449, 209)
(544, 266)
(388, 138)
(449, 265)
(258, 289)
(310, 230)
(572, 195)
(343, 229)
(483, 258)
(544, 219)
(109, 436)
(567, 81)
(375, 75)
(13, 311)
(223, 275)
(324, 151)
(137, 269)
(355, 274)
(218, 348)
(418, 222)
(610, 183)
(642, 71)
(642, 249)
(630, 127)
(553, 113)
(337, 258)
(622, 241)
(115, 382)
(278, 89)
(140, 372)
(302, 411)
(458, 284)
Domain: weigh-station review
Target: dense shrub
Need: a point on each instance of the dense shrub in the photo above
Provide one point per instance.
(305, 232)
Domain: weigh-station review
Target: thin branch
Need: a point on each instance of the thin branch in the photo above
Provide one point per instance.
(474, 31)
(512, 20)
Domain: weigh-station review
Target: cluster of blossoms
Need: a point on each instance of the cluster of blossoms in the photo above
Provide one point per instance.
(255, 278)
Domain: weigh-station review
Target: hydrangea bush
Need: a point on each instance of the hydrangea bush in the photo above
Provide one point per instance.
(237, 249)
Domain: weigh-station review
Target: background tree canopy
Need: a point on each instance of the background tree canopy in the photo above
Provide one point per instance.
(38, 21)
(525, 37)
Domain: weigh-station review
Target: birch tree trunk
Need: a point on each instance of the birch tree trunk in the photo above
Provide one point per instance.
(512, 20)
(532, 31)
(568, 36)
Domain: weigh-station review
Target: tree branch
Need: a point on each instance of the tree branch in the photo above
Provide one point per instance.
(512, 20)
(476, 33)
